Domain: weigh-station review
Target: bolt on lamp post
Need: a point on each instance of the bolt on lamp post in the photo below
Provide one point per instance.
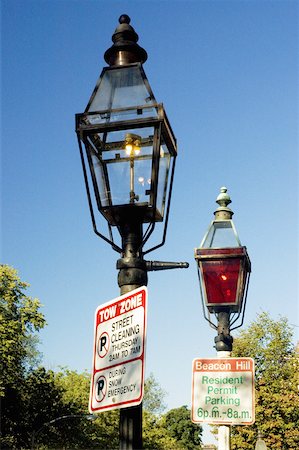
(223, 269)
(129, 158)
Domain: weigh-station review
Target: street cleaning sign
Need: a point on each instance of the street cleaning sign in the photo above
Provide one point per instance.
(119, 352)
(223, 391)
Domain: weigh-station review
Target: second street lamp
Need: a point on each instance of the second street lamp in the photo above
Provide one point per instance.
(223, 268)
(128, 153)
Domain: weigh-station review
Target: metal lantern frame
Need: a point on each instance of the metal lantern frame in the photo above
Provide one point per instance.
(236, 308)
(212, 253)
(88, 124)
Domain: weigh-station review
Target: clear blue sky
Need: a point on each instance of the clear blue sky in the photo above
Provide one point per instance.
(227, 73)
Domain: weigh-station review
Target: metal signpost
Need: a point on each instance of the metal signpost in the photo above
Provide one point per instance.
(119, 352)
(223, 391)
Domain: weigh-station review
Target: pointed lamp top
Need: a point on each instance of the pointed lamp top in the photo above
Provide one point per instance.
(125, 49)
(223, 212)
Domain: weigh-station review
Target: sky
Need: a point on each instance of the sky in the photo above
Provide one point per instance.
(227, 74)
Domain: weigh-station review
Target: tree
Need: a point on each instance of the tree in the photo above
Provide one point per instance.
(101, 433)
(269, 342)
(154, 396)
(172, 430)
(178, 423)
(20, 319)
(155, 435)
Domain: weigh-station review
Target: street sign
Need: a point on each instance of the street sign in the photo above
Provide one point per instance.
(223, 391)
(119, 352)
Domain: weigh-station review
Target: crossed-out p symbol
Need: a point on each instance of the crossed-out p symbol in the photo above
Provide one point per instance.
(103, 344)
(100, 388)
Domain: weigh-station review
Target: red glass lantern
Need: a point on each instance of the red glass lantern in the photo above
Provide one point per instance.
(223, 263)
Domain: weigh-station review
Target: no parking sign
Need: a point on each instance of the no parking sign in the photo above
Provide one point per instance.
(119, 352)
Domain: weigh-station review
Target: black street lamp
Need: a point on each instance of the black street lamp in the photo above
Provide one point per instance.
(128, 153)
(223, 268)
(129, 144)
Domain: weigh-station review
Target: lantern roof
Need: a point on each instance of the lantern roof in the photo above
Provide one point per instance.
(222, 232)
(121, 87)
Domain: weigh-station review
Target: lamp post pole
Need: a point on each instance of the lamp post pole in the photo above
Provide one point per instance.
(132, 274)
(223, 269)
(223, 340)
(130, 150)
(223, 346)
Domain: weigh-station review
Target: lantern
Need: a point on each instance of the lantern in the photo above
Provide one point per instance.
(129, 145)
(223, 264)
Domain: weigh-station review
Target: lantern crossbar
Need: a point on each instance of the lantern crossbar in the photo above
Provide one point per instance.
(222, 256)
(87, 119)
(107, 113)
(127, 159)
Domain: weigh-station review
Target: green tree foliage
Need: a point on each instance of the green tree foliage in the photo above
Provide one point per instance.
(178, 423)
(171, 430)
(101, 433)
(20, 319)
(155, 435)
(269, 342)
(154, 395)
(44, 409)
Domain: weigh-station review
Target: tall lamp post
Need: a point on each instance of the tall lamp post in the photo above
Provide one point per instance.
(128, 152)
(223, 268)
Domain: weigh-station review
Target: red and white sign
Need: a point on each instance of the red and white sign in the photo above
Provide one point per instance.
(119, 352)
(223, 391)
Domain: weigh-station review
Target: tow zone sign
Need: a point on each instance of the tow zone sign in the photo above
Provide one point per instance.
(223, 391)
(119, 352)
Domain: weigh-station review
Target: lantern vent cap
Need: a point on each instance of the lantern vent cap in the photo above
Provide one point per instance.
(125, 49)
(223, 212)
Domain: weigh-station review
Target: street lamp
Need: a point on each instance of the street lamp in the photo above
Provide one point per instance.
(128, 153)
(223, 269)
(130, 148)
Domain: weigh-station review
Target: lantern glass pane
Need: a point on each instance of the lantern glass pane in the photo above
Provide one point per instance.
(221, 234)
(163, 180)
(221, 280)
(123, 87)
(122, 164)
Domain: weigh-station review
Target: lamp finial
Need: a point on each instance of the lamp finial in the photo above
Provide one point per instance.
(125, 49)
(223, 212)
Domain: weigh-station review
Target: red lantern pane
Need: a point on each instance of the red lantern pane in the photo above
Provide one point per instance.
(221, 280)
